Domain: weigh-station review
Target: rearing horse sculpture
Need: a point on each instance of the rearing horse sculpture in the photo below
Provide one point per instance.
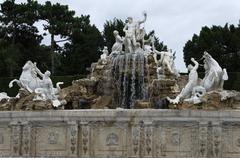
(30, 81)
(27, 80)
(214, 74)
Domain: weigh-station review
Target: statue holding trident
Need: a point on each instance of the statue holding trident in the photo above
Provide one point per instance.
(132, 30)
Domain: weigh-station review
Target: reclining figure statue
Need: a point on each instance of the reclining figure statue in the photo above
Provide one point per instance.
(213, 81)
(165, 63)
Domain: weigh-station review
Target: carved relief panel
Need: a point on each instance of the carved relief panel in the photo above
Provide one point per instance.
(175, 139)
(51, 141)
(110, 141)
(73, 138)
(84, 148)
(135, 141)
(26, 140)
(231, 139)
(5, 141)
(16, 139)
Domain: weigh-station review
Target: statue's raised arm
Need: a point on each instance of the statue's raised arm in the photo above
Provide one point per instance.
(145, 18)
(196, 64)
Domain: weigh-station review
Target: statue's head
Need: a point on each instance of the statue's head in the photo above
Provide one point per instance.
(115, 32)
(190, 67)
(142, 30)
(138, 45)
(47, 73)
(28, 65)
(206, 55)
(205, 64)
(130, 20)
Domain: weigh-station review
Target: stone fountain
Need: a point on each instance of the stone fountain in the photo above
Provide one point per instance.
(138, 76)
(134, 75)
(133, 104)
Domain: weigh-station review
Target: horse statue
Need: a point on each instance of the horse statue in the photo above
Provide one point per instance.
(214, 74)
(30, 81)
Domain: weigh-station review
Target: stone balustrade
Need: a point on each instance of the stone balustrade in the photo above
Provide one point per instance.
(121, 134)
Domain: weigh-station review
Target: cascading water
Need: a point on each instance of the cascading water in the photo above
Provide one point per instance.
(129, 71)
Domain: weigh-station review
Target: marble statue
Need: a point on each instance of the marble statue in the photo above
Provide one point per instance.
(118, 45)
(104, 56)
(198, 93)
(173, 66)
(28, 79)
(140, 36)
(148, 45)
(132, 31)
(214, 74)
(214, 79)
(192, 82)
(42, 86)
(165, 62)
(138, 47)
(4, 95)
(47, 91)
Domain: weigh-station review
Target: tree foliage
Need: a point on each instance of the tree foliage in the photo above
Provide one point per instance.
(223, 43)
(59, 23)
(20, 39)
(83, 48)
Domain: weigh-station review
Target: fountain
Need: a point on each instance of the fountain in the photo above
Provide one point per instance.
(133, 104)
(39, 122)
(133, 75)
(129, 78)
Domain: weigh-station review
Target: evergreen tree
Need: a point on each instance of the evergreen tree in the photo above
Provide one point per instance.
(59, 23)
(83, 48)
(19, 38)
(223, 43)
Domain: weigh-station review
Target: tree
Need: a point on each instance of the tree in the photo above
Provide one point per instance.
(223, 43)
(19, 38)
(59, 23)
(83, 48)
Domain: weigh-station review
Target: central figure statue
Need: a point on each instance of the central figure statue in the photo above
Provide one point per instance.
(132, 31)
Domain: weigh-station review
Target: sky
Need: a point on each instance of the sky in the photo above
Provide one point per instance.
(174, 21)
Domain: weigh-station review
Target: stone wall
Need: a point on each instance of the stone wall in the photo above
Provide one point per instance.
(121, 134)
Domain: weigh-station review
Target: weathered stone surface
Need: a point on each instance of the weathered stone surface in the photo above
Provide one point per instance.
(160, 89)
(25, 103)
(120, 133)
(213, 101)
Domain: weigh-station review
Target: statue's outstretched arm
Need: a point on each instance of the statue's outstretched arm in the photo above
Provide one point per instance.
(196, 64)
(145, 18)
(39, 72)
